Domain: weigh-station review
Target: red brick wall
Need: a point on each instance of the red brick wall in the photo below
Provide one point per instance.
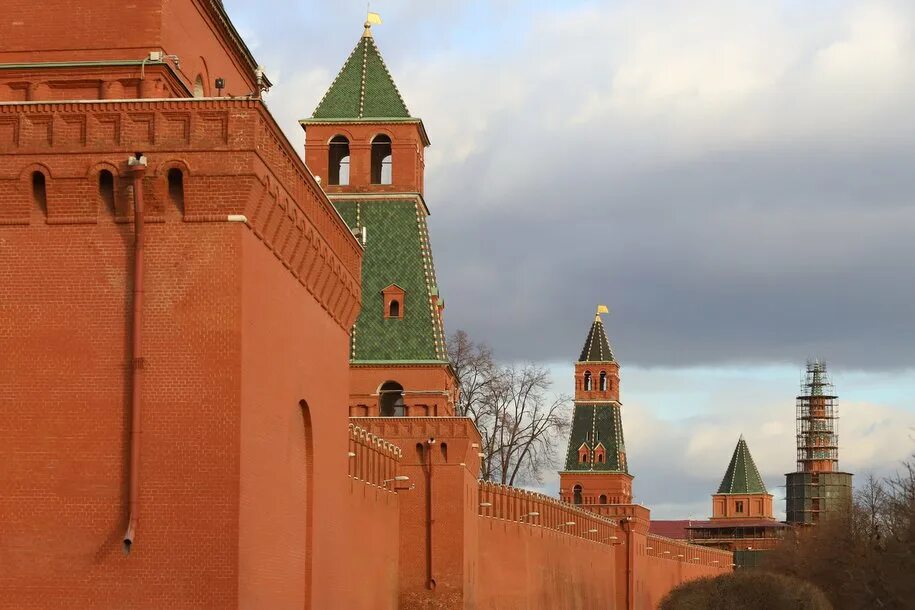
(528, 566)
(64, 388)
(113, 30)
(280, 330)
(242, 321)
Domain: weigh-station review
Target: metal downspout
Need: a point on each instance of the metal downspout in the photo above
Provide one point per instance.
(137, 169)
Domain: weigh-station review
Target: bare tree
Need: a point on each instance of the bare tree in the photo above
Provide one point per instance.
(518, 418)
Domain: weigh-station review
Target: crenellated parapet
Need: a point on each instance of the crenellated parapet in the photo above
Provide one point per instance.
(372, 459)
(513, 504)
(228, 156)
(678, 550)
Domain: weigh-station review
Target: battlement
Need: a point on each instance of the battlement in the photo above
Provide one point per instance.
(372, 459)
(228, 157)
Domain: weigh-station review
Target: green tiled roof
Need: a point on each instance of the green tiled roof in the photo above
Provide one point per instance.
(597, 348)
(397, 251)
(363, 88)
(595, 425)
(742, 477)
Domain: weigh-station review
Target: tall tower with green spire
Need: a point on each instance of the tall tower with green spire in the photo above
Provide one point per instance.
(367, 150)
(595, 471)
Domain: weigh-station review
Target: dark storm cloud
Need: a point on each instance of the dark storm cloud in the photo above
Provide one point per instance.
(773, 254)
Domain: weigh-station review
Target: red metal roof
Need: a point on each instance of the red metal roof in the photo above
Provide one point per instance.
(671, 529)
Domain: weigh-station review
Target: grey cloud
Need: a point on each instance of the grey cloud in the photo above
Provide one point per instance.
(737, 188)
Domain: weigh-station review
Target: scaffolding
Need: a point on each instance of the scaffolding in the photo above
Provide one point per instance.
(817, 487)
(817, 421)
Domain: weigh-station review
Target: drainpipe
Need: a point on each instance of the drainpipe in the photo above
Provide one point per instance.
(137, 169)
(427, 466)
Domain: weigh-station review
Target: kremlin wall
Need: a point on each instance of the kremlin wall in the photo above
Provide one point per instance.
(223, 376)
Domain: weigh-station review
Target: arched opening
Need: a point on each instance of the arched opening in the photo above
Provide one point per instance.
(444, 447)
(381, 160)
(198, 86)
(176, 188)
(587, 381)
(392, 399)
(419, 453)
(603, 381)
(39, 193)
(603, 499)
(576, 494)
(106, 190)
(394, 309)
(309, 496)
(338, 161)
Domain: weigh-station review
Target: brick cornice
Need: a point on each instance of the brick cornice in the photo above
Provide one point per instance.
(256, 174)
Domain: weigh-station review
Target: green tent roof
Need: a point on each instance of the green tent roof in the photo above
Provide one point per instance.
(597, 348)
(742, 477)
(363, 88)
(594, 426)
(397, 251)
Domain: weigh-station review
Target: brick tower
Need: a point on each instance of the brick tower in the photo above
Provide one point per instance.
(367, 150)
(817, 487)
(595, 471)
(742, 493)
(742, 520)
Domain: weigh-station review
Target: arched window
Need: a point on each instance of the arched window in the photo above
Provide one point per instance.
(392, 400)
(603, 499)
(338, 161)
(106, 190)
(40, 193)
(381, 160)
(444, 447)
(394, 309)
(198, 86)
(587, 381)
(603, 381)
(576, 494)
(176, 188)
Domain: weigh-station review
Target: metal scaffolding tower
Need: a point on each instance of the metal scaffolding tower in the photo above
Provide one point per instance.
(817, 487)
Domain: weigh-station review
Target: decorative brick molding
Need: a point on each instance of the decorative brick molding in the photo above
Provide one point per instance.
(235, 162)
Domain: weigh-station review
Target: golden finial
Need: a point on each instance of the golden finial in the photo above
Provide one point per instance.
(600, 309)
(370, 18)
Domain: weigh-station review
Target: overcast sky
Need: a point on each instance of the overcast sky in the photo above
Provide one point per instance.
(735, 179)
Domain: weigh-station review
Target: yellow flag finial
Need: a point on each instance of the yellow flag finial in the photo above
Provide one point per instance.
(370, 20)
(601, 309)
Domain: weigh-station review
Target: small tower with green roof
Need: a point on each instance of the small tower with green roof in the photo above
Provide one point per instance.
(367, 150)
(742, 493)
(595, 471)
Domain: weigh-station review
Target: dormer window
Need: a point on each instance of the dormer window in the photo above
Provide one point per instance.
(338, 161)
(381, 160)
(584, 455)
(600, 454)
(392, 299)
(587, 381)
